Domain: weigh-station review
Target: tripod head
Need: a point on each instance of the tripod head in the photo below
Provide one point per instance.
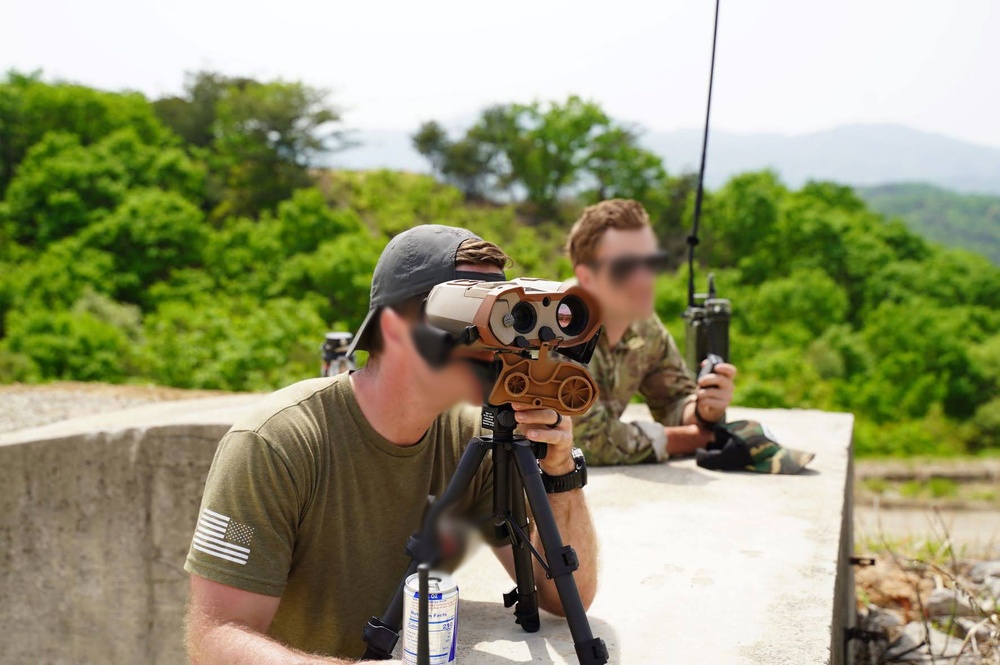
(521, 322)
(334, 350)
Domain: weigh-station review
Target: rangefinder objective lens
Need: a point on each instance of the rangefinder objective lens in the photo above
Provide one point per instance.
(524, 317)
(572, 315)
(564, 316)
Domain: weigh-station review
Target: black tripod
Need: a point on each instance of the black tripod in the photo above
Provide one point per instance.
(510, 452)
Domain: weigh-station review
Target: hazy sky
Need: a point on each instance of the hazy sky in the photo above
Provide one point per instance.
(783, 65)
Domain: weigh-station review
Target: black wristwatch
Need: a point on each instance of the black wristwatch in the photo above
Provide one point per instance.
(574, 480)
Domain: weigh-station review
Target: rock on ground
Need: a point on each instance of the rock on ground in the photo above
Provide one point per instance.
(949, 603)
(916, 644)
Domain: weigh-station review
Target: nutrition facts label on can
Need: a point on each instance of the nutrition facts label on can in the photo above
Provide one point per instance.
(442, 626)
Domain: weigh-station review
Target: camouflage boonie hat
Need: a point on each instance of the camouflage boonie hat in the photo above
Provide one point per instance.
(748, 445)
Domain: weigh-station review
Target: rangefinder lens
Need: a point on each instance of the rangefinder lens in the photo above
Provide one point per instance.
(524, 317)
(572, 315)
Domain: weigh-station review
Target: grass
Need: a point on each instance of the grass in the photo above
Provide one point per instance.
(876, 485)
(936, 490)
(930, 549)
(942, 487)
(986, 495)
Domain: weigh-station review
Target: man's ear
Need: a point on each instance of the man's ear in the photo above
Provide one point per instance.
(584, 275)
(393, 327)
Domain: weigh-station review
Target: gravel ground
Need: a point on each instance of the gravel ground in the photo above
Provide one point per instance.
(24, 406)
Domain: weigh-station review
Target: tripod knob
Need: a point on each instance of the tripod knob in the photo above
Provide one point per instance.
(541, 449)
(506, 419)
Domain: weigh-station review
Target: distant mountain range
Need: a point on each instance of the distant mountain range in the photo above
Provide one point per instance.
(861, 155)
(969, 221)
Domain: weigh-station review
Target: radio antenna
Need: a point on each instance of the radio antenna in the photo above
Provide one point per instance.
(692, 240)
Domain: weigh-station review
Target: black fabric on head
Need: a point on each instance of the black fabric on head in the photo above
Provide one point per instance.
(481, 276)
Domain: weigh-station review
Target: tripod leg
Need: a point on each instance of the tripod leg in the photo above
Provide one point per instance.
(525, 595)
(502, 463)
(381, 633)
(561, 559)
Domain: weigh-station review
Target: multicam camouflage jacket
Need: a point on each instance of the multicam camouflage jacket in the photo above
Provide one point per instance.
(646, 361)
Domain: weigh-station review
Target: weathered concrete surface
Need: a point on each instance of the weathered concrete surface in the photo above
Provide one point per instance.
(96, 516)
(700, 566)
(697, 566)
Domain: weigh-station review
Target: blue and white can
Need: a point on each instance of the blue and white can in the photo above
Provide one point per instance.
(442, 613)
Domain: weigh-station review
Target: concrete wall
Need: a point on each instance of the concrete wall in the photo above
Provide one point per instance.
(96, 516)
(845, 601)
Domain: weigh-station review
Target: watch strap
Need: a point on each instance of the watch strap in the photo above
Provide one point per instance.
(574, 480)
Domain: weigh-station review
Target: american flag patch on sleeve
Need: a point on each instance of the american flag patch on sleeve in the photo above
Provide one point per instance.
(222, 537)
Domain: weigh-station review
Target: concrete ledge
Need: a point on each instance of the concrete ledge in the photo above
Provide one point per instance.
(697, 566)
(700, 566)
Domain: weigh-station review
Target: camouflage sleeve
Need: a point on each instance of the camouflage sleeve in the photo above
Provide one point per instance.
(606, 439)
(669, 386)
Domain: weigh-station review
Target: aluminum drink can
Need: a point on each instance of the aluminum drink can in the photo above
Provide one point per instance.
(442, 615)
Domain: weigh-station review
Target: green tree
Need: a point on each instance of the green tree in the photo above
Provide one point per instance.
(70, 345)
(232, 343)
(967, 221)
(671, 205)
(306, 220)
(337, 274)
(57, 277)
(741, 221)
(617, 167)
(31, 108)
(61, 186)
(150, 233)
(192, 115)
(807, 297)
(266, 136)
(545, 152)
(465, 163)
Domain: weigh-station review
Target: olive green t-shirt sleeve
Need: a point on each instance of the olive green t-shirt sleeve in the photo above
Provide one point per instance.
(248, 517)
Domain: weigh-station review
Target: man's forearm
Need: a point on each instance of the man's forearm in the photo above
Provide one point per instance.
(239, 644)
(572, 516)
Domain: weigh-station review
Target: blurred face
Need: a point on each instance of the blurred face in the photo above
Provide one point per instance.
(452, 384)
(623, 273)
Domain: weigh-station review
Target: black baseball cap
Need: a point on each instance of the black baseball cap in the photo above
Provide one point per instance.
(414, 262)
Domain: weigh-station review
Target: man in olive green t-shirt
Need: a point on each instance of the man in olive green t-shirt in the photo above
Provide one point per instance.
(312, 496)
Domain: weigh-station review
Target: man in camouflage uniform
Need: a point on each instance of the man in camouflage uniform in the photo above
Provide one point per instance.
(615, 257)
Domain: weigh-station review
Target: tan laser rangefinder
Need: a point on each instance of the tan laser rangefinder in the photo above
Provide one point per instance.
(516, 318)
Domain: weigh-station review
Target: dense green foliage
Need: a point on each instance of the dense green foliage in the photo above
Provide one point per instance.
(119, 261)
(967, 221)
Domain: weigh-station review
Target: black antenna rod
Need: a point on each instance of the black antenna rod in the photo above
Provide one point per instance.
(692, 239)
